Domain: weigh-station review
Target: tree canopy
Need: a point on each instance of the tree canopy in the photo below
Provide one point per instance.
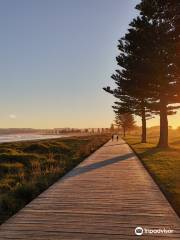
(147, 78)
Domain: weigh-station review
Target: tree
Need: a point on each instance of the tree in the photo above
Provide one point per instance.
(164, 63)
(148, 78)
(126, 121)
(112, 128)
(133, 74)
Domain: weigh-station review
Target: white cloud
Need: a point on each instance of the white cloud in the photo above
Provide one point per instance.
(12, 116)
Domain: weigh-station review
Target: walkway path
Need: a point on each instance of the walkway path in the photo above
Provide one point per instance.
(106, 197)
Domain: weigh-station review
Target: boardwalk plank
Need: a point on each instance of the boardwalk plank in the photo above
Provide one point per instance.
(105, 197)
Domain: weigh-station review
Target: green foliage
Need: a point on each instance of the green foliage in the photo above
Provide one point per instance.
(59, 148)
(38, 148)
(8, 205)
(147, 79)
(28, 168)
(11, 168)
(25, 192)
(126, 121)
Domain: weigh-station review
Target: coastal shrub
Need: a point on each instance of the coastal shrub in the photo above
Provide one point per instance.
(21, 158)
(38, 148)
(50, 165)
(42, 182)
(28, 168)
(59, 148)
(7, 150)
(11, 168)
(4, 187)
(8, 206)
(25, 192)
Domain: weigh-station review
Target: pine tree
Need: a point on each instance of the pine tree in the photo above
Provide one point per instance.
(112, 128)
(164, 63)
(133, 74)
(149, 60)
(126, 121)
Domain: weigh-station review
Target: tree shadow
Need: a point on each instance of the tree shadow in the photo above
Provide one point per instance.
(175, 142)
(87, 168)
(136, 143)
(155, 150)
(114, 145)
(150, 151)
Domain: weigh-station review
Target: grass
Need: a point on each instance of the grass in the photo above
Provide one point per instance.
(28, 168)
(162, 164)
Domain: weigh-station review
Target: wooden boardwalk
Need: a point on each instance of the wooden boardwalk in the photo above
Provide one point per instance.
(105, 197)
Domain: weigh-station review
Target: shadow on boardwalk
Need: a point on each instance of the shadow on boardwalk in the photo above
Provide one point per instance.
(94, 166)
(115, 196)
(110, 145)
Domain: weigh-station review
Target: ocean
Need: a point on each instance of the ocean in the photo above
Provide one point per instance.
(24, 137)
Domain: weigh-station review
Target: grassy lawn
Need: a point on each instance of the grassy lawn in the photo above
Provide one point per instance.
(163, 165)
(28, 168)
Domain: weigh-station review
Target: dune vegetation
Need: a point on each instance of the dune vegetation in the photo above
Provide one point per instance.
(27, 168)
(162, 164)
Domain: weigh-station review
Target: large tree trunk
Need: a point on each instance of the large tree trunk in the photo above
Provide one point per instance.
(143, 118)
(163, 140)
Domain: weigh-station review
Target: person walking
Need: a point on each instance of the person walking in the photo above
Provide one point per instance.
(117, 138)
(112, 137)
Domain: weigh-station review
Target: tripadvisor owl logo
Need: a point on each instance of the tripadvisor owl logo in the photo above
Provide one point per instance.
(139, 231)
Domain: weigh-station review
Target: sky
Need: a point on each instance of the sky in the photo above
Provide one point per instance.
(56, 56)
